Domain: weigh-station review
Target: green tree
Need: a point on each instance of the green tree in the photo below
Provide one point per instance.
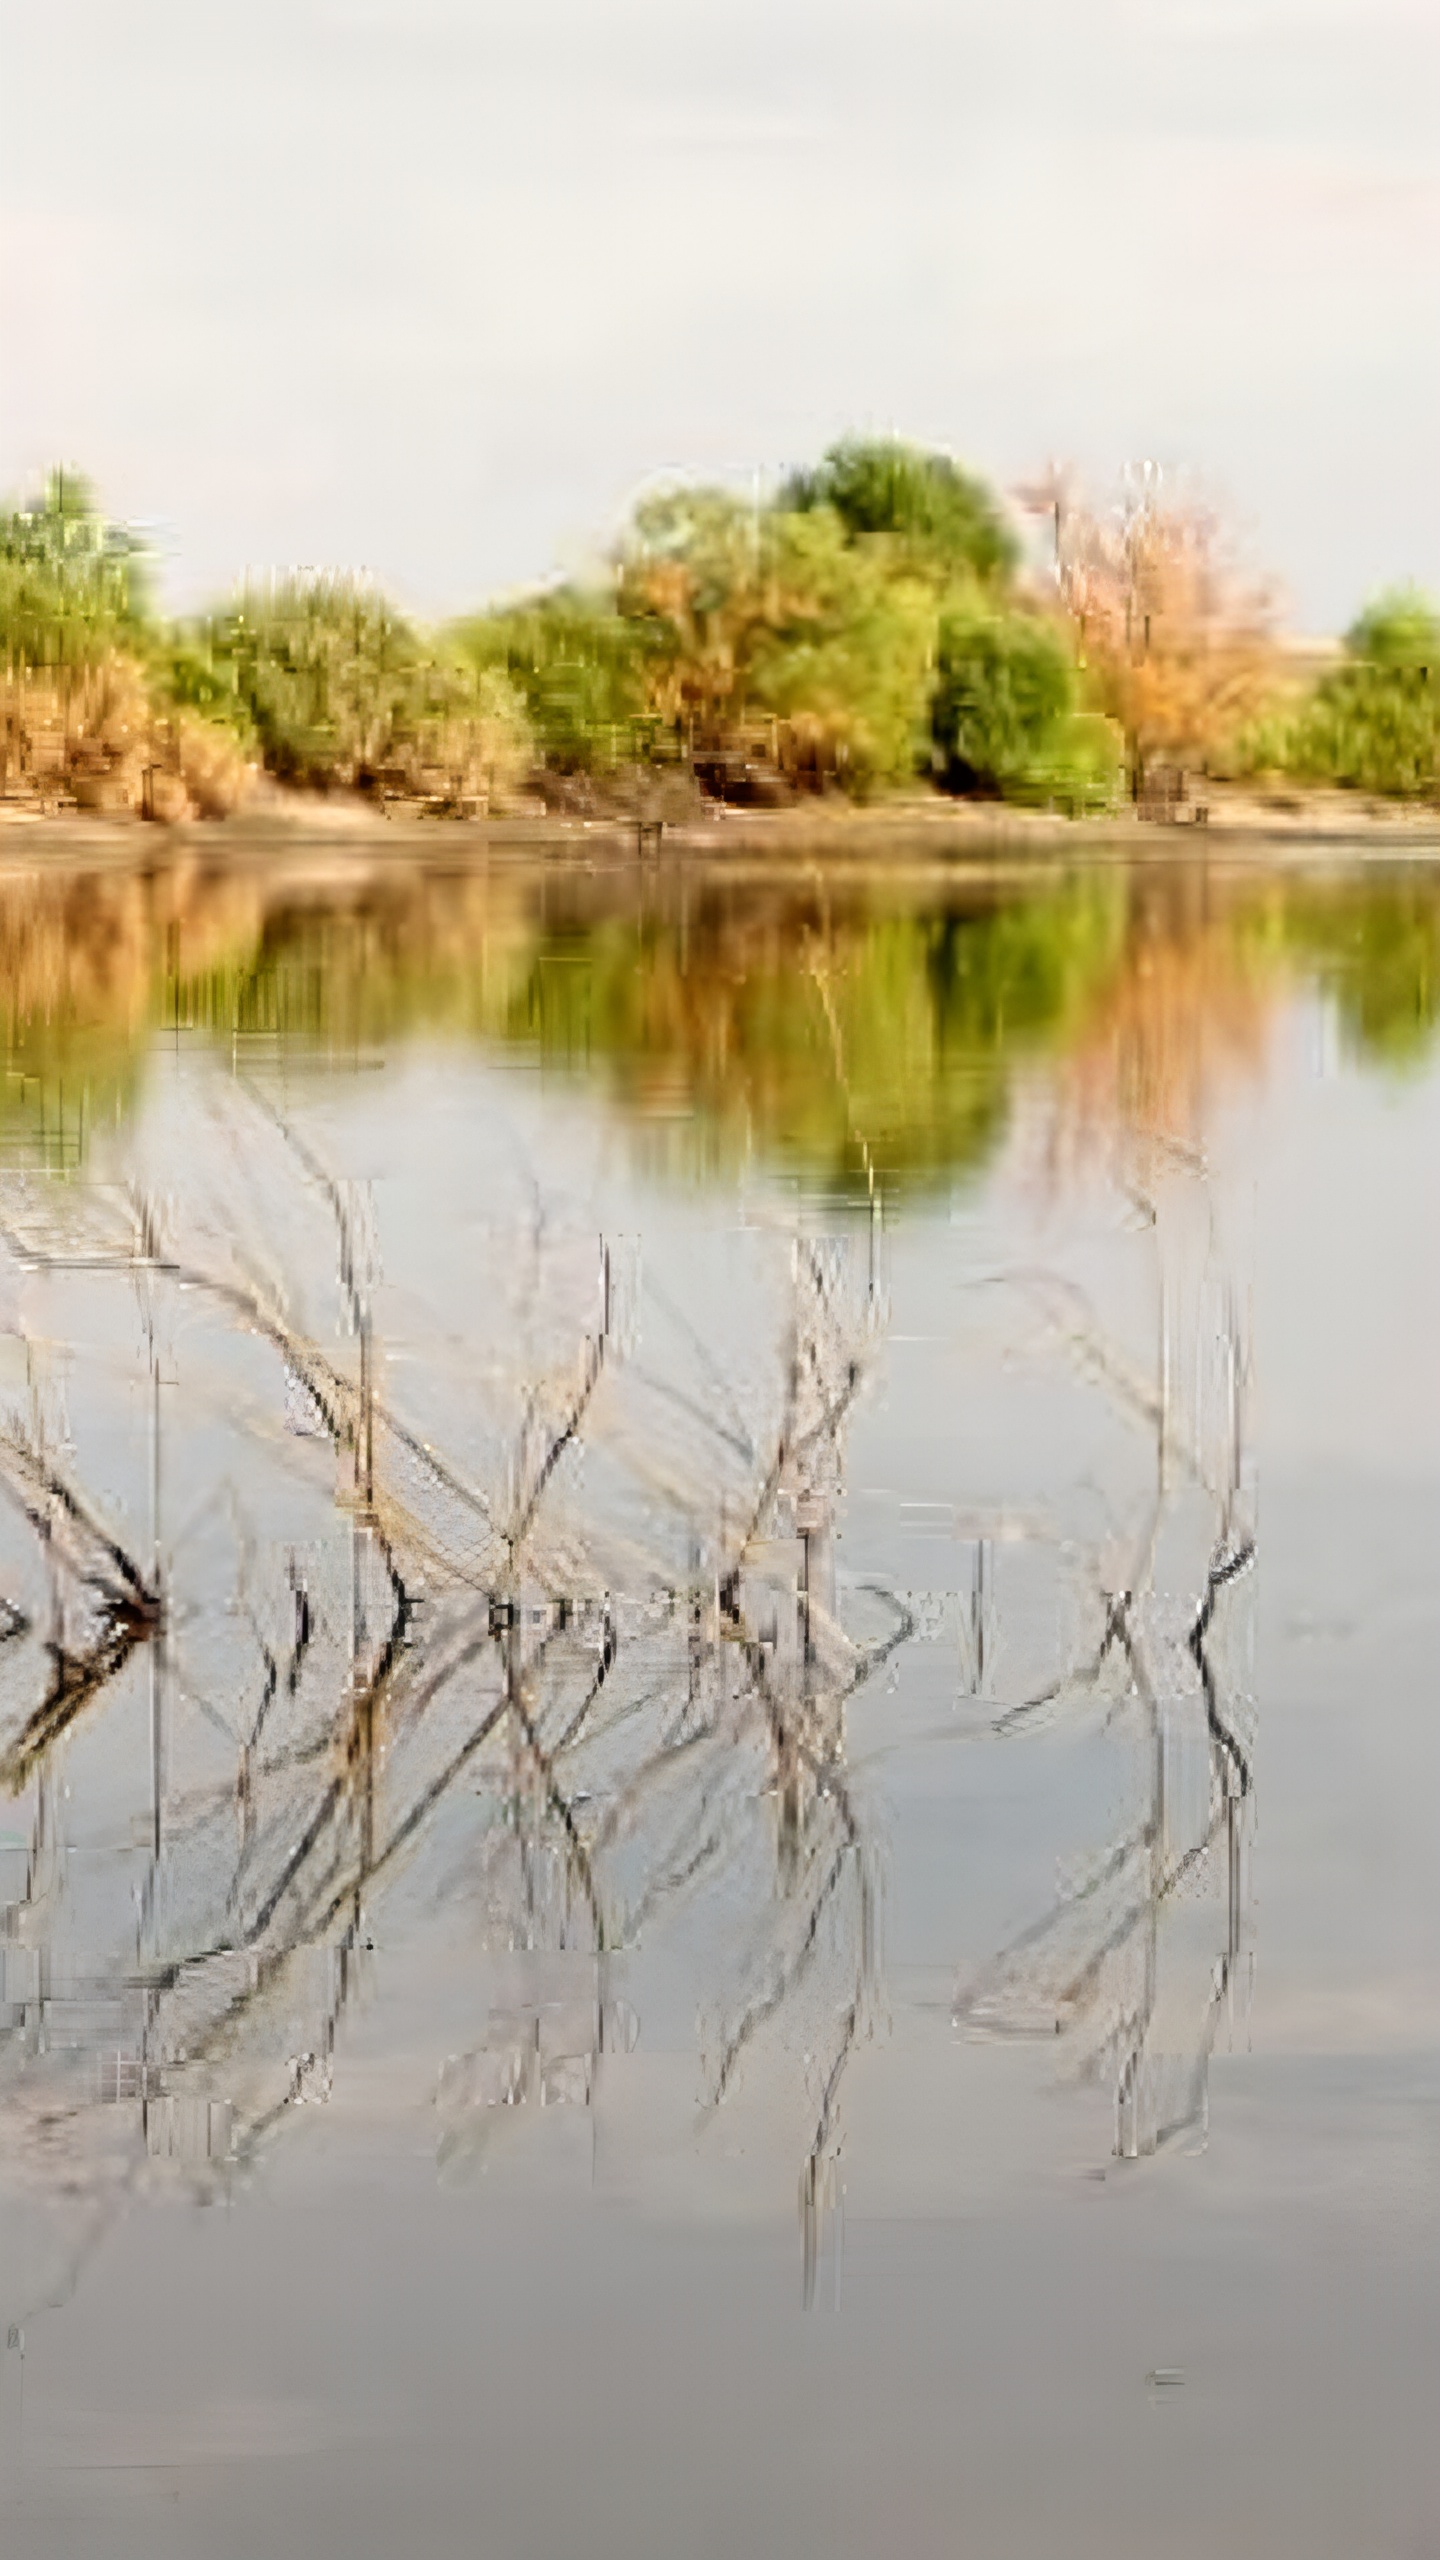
(1005, 720)
(579, 666)
(73, 587)
(772, 644)
(1373, 722)
(342, 693)
(944, 523)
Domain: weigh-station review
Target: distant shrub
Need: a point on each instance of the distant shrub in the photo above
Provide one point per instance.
(840, 680)
(191, 676)
(461, 740)
(579, 667)
(342, 693)
(1005, 719)
(92, 707)
(1373, 722)
(200, 759)
(79, 734)
(777, 654)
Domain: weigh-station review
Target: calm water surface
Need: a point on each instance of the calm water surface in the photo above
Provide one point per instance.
(719, 1758)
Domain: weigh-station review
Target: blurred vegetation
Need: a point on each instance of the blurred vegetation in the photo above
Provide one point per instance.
(940, 523)
(104, 705)
(72, 587)
(89, 711)
(1377, 955)
(1175, 642)
(1372, 723)
(578, 668)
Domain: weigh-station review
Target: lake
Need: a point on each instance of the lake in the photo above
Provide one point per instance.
(719, 1746)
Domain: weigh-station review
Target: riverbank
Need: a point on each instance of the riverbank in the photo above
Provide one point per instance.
(917, 832)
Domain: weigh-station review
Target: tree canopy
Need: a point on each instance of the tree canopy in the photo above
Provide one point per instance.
(944, 522)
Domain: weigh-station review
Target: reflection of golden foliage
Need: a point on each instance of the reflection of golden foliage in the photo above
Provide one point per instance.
(1188, 1009)
(76, 949)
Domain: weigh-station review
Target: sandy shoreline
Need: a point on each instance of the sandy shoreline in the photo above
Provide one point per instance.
(921, 835)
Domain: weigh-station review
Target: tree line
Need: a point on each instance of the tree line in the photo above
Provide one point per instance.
(875, 627)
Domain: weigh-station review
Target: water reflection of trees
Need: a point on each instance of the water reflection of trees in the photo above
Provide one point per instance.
(698, 1000)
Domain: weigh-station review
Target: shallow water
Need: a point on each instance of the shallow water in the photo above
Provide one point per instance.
(720, 1774)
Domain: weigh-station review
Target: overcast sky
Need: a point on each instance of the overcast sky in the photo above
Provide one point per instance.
(434, 286)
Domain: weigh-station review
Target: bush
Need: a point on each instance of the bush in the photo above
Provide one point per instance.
(842, 678)
(1004, 717)
(579, 668)
(77, 733)
(1373, 723)
(342, 693)
(73, 588)
(91, 689)
(776, 652)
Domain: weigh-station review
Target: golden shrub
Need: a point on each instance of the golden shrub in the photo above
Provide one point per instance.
(91, 736)
(196, 770)
(1177, 644)
(78, 734)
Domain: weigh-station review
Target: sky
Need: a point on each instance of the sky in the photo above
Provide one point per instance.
(436, 287)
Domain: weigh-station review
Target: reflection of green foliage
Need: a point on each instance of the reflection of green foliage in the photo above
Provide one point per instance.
(1378, 954)
(62, 1081)
(891, 1034)
(70, 1065)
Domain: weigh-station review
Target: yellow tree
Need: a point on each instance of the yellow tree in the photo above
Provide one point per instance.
(1177, 644)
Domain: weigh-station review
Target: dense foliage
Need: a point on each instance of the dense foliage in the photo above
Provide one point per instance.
(866, 630)
(1373, 722)
(774, 646)
(72, 587)
(87, 709)
(1006, 717)
(772, 649)
(1175, 641)
(342, 693)
(578, 665)
(941, 522)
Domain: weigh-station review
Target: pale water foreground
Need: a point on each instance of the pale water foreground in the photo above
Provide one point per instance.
(718, 1637)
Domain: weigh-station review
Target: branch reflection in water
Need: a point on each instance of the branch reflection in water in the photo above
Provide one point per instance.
(624, 1681)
